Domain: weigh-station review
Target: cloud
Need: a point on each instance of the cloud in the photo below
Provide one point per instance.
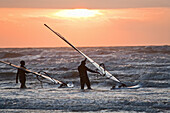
(93, 4)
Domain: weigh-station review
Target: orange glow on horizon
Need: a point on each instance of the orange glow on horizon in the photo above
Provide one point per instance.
(84, 27)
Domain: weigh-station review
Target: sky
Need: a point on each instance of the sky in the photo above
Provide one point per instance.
(85, 23)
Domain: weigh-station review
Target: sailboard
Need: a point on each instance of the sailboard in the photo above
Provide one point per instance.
(129, 87)
(102, 71)
(37, 74)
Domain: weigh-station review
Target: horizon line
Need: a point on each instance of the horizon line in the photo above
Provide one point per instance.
(87, 46)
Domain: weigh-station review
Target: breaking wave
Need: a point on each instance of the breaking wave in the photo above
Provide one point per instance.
(10, 55)
(148, 65)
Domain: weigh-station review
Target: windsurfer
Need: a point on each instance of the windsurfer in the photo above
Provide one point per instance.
(83, 74)
(21, 74)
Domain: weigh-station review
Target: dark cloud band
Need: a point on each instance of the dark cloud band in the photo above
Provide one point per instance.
(92, 4)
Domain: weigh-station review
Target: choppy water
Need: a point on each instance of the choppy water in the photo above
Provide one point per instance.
(146, 65)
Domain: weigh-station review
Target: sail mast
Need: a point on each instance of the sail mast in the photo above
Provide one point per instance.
(102, 71)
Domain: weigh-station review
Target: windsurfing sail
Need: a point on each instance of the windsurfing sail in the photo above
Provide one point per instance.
(36, 73)
(102, 71)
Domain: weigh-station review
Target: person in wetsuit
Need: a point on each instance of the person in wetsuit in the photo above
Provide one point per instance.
(83, 74)
(22, 75)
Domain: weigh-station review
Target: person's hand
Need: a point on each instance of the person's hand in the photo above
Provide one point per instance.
(124, 85)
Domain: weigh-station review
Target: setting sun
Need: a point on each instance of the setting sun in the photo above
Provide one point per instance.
(78, 13)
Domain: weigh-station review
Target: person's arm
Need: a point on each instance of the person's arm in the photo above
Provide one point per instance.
(17, 76)
(26, 71)
(91, 70)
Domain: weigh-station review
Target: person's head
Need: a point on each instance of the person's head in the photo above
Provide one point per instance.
(22, 63)
(83, 62)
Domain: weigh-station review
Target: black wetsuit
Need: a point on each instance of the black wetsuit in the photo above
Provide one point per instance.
(83, 76)
(22, 77)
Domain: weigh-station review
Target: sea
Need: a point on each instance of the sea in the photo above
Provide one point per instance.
(148, 66)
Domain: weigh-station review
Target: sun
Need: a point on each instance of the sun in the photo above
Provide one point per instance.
(77, 13)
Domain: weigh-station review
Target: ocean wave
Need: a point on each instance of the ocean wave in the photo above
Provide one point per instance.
(154, 49)
(155, 84)
(10, 55)
(155, 76)
(129, 64)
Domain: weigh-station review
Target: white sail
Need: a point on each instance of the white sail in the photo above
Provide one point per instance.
(102, 71)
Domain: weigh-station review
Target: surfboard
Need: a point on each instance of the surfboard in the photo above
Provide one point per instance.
(129, 87)
(37, 74)
(102, 71)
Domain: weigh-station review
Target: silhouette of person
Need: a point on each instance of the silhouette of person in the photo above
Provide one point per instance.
(22, 75)
(83, 74)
